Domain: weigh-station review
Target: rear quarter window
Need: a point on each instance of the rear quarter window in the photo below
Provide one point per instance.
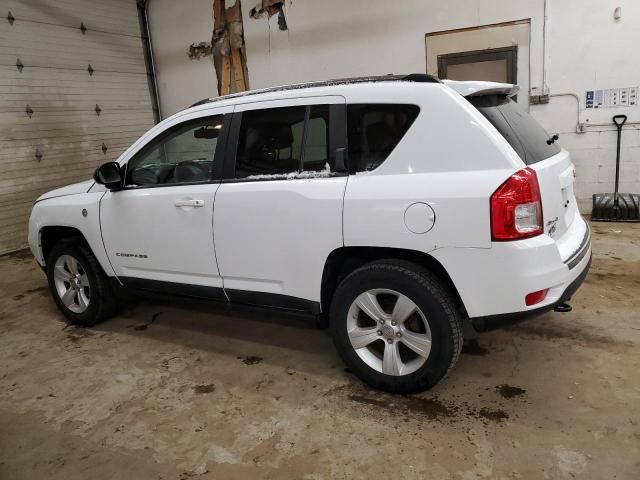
(521, 130)
(374, 130)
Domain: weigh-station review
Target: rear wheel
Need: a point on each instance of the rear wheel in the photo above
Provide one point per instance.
(79, 287)
(396, 326)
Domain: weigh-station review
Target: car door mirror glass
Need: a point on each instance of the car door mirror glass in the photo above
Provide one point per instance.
(109, 175)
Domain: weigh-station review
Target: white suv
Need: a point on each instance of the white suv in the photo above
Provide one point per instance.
(392, 207)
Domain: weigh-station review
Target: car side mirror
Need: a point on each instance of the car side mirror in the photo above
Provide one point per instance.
(109, 175)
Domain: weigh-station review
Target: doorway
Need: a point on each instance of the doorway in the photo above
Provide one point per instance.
(503, 57)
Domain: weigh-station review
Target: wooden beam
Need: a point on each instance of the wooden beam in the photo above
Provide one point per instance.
(225, 88)
(238, 70)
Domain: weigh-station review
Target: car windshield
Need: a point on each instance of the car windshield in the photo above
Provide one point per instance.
(527, 137)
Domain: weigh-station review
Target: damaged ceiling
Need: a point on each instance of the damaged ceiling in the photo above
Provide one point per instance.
(270, 8)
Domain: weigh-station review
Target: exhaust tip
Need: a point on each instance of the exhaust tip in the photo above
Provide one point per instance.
(563, 308)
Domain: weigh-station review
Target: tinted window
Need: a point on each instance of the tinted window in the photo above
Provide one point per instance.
(520, 129)
(374, 130)
(183, 154)
(274, 141)
(316, 148)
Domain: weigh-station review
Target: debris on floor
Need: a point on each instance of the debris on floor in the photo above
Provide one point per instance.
(205, 392)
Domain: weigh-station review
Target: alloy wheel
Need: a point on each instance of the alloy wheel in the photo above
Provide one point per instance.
(72, 283)
(389, 332)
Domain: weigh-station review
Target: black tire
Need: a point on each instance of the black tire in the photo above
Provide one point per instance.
(429, 294)
(103, 303)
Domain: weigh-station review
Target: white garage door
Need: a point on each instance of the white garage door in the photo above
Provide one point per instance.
(73, 94)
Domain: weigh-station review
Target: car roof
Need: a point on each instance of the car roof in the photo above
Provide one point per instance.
(386, 86)
(414, 77)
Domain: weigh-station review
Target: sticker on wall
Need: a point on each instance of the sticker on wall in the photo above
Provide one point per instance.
(611, 97)
(589, 97)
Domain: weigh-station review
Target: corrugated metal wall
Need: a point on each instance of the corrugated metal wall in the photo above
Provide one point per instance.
(58, 120)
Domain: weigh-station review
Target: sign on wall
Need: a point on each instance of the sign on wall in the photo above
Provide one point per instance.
(612, 97)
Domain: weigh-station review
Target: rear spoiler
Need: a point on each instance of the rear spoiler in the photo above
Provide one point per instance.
(476, 89)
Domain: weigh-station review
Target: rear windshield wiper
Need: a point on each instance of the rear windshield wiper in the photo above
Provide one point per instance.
(553, 139)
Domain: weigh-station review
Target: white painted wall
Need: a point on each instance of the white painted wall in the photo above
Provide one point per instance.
(173, 26)
(334, 38)
(587, 49)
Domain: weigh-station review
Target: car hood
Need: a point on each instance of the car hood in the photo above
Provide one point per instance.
(73, 189)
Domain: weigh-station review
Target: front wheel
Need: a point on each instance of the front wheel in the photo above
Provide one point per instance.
(396, 326)
(78, 284)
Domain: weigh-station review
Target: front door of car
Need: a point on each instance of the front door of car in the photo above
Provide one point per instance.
(158, 230)
(278, 212)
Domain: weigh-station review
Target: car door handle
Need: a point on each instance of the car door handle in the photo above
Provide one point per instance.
(189, 203)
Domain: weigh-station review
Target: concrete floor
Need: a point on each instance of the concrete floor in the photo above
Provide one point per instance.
(182, 391)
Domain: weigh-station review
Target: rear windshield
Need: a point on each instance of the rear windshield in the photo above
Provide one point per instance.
(520, 129)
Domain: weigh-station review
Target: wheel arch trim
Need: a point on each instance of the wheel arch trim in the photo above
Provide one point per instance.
(344, 260)
(49, 235)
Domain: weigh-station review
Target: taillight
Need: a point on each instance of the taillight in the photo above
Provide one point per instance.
(516, 209)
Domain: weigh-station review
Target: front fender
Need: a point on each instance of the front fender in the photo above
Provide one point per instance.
(69, 211)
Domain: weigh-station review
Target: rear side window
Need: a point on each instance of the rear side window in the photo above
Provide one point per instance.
(315, 152)
(374, 130)
(277, 142)
(521, 130)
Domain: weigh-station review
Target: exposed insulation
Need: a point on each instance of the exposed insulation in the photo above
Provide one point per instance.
(270, 8)
(199, 50)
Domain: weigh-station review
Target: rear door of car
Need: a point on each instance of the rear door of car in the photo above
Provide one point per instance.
(278, 211)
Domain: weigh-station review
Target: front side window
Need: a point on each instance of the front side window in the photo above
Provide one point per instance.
(183, 154)
(283, 142)
(374, 130)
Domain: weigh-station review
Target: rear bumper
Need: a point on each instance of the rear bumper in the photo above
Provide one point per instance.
(493, 322)
(494, 282)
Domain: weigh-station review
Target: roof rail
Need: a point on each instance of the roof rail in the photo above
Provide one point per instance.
(201, 102)
(413, 77)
